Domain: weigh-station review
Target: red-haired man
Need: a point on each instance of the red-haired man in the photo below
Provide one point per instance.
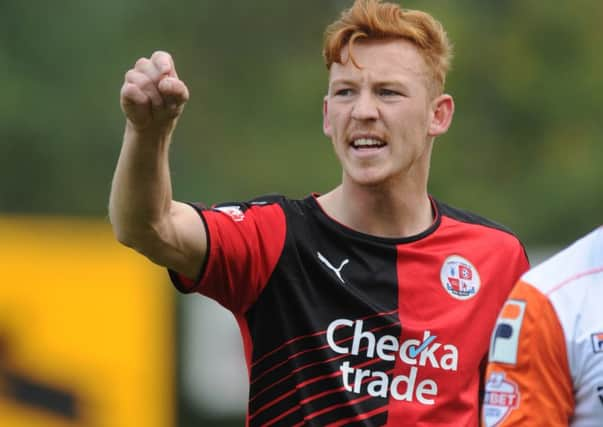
(369, 305)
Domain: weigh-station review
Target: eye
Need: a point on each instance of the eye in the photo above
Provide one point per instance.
(343, 92)
(388, 92)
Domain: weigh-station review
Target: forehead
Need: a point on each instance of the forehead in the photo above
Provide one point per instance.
(388, 59)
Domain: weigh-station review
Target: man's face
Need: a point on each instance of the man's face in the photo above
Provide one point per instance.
(379, 116)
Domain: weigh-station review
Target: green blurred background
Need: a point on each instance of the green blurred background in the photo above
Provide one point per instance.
(525, 147)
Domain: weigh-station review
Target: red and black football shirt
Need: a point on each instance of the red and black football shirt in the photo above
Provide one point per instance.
(342, 328)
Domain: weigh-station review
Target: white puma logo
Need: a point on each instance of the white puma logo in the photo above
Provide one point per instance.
(337, 271)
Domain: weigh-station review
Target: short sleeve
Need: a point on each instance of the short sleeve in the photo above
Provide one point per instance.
(245, 242)
(527, 378)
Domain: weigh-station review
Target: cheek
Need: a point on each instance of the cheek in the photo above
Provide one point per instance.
(417, 124)
(335, 123)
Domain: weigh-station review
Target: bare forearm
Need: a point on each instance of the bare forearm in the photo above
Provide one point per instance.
(141, 209)
(141, 193)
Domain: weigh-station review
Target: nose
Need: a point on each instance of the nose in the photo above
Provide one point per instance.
(365, 107)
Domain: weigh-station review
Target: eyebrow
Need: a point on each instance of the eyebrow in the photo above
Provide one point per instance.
(344, 82)
(381, 83)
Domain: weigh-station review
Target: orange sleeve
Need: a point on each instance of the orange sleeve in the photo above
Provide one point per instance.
(528, 382)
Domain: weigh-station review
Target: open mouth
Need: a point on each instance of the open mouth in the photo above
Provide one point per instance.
(367, 143)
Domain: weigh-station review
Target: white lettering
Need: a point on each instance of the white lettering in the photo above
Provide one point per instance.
(426, 387)
(410, 385)
(331, 339)
(428, 353)
(346, 370)
(380, 383)
(414, 353)
(501, 399)
(358, 336)
(360, 375)
(387, 343)
(378, 388)
(405, 348)
(450, 361)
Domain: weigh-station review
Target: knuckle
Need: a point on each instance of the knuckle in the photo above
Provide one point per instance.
(145, 80)
(162, 60)
(129, 99)
(139, 79)
(128, 90)
(123, 92)
(141, 63)
(160, 54)
(131, 75)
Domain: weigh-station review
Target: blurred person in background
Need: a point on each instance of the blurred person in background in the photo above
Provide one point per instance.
(371, 304)
(546, 356)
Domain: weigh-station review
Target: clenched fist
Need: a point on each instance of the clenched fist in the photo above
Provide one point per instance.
(152, 96)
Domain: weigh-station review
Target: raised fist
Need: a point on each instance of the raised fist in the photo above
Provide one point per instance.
(152, 96)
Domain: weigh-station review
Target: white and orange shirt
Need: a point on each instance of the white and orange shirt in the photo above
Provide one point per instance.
(546, 352)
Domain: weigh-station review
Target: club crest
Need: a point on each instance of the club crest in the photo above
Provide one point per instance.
(234, 212)
(459, 278)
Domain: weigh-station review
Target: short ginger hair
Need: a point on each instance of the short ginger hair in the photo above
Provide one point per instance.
(374, 20)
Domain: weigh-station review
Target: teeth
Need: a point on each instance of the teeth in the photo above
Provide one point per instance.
(368, 142)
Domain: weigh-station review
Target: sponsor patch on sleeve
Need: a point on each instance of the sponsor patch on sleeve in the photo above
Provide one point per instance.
(500, 399)
(234, 211)
(505, 337)
(597, 340)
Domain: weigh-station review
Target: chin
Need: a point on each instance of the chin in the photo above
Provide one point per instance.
(368, 178)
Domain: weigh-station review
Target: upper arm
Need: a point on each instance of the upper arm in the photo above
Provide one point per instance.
(179, 241)
(528, 374)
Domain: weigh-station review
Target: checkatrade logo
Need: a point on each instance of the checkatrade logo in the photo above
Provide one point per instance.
(413, 352)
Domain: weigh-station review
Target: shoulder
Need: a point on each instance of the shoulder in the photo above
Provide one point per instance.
(580, 261)
(470, 218)
(271, 210)
(238, 211)
(470, 224)
(265, 200)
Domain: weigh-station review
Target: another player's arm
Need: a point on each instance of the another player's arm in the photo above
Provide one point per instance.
(541, 371)
(141, 208)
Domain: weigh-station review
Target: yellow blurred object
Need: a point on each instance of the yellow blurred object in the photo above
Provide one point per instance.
(86, 328)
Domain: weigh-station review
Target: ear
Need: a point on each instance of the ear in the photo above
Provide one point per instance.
(326, 125)
(442, 112)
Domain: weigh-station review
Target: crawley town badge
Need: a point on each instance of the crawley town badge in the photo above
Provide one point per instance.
(459, 278)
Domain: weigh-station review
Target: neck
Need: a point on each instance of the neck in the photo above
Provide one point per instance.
(379, 211)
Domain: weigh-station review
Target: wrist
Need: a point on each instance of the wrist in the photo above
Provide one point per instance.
(152, 132)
